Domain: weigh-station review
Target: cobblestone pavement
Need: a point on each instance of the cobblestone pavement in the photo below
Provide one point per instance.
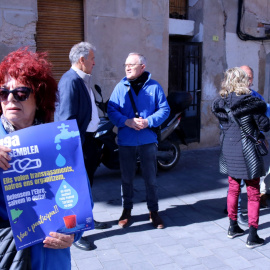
(192, 200)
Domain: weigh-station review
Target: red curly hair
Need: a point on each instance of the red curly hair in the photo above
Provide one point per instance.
(32, 70)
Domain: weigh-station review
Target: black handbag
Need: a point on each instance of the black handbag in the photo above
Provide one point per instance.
(261, 147)
(261, 143)
(157, 130)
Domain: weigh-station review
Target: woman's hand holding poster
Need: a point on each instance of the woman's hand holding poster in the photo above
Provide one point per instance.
(46, 188)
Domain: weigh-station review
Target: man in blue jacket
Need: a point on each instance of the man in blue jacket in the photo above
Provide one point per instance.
(76, 101)
(135, 136)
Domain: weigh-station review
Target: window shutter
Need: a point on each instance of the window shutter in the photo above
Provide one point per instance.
(59, 27)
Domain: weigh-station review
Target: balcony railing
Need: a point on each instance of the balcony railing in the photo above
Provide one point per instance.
(179, 9)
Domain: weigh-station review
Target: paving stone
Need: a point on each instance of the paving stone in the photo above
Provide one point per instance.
(266, 253)
(199, 252)
(262, 263)
(195, 267)
(134, 257)
(94, 263)
(160, 258)
(194, 227)
(108, 255)
(102, 215)
(78, 254)
(157, 233)
(186, 260)
(238, 263)
(149, 249)
(212, 228)
(140, 238)
(238, 243)
(175, 250)
(143, 266)
(177, 232)
(73, 265)
(103, 243)
(223, 268)
(250, 254)
(117, 236)
(126, 247)
(225, 253)
(192, 200)
(212, 243)
(172, 266)
(212, 262)
(166, 241)
(190, 242)
(115, 264)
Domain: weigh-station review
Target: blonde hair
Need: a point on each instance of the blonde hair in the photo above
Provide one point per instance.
(235, 80)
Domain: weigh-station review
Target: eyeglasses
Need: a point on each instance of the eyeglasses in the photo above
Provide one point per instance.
(131, 65)
(21, 93)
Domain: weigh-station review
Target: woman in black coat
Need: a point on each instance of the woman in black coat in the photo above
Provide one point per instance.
(239, 158)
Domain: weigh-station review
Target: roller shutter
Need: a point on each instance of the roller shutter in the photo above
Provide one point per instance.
(59, 27)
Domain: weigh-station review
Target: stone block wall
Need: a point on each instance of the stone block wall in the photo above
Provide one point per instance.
(219, 19)
(123, 26)
(17, 25)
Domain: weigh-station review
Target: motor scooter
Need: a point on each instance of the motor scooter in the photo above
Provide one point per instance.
(169, 139)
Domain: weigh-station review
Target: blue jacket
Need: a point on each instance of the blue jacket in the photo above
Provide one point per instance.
(74, 101)
(151, 104)
(256, 94)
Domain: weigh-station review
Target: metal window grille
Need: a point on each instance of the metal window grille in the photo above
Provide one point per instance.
(179, 9)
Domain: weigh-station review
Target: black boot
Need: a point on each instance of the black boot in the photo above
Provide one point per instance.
(234, 230)
(253, 239)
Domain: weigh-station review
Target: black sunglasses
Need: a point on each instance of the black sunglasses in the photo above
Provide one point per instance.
(21, 93)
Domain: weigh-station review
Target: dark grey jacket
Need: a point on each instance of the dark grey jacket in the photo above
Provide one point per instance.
(74, 101)
(239, 157)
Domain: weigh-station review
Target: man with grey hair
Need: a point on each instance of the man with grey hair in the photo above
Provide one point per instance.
(135, 136)
(76, 101)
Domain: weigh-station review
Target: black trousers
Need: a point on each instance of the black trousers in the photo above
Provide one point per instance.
(91, 155)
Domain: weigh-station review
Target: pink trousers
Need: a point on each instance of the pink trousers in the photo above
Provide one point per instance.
(253, 193)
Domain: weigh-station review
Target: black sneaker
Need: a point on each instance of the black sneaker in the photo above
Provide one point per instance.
(234, 231)
(83, 244)
(100, 225)
(156, 220)
(253, 239)
(259, 242)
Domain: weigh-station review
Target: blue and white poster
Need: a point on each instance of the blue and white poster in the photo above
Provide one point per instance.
(46, 187)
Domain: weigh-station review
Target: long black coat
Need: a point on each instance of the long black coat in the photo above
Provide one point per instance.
(239, 157)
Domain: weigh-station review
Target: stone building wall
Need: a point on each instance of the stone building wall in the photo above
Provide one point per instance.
(215, 26)
(17, 25)
(123, 26)
(114, 27)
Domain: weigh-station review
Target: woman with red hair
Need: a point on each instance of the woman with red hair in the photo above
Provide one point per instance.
(27, 94)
